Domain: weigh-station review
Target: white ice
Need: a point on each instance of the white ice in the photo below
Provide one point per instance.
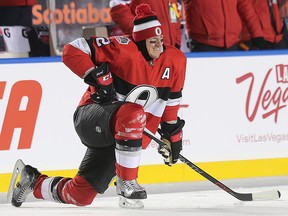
(192, 199)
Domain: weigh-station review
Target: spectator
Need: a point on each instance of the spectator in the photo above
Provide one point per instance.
(272, 26)
(15, 15)
(16, 12)
(284, 8)
(122, 13)
(215, 25)
(284, 15)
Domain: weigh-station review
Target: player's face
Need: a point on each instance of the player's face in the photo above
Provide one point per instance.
(154, 46)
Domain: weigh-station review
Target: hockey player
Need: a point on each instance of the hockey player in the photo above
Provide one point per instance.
(108, 121)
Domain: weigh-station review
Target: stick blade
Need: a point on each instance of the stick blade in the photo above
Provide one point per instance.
(266, 195)
(19, 165)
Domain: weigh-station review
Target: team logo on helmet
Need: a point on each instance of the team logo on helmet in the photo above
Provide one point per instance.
(158, 31)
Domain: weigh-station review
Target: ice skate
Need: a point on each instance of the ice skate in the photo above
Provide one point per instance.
(130, 193)
(25, 185)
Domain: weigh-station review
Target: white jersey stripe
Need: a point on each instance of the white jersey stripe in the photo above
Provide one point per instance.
(174, 102)
(81, 44)
(157, 108)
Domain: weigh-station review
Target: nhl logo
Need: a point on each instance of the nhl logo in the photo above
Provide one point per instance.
(98, 129)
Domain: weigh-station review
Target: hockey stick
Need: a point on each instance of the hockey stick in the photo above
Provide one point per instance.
(258, 196)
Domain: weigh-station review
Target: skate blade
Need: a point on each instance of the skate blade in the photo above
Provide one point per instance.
(130, 203)
(19, 165)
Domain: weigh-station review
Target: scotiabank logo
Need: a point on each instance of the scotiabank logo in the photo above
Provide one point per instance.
(21, 112)
(71, 14)
(270, 99)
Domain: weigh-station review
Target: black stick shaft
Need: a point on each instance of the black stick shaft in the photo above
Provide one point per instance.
(240, 196)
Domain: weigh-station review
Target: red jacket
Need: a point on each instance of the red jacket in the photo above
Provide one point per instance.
(269, 33)
(123, 16)
(218, 22)
(11, 3)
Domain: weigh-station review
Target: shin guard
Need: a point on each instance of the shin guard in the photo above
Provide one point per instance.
(129, 123)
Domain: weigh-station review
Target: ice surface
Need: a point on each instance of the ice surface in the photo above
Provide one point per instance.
(194, 202)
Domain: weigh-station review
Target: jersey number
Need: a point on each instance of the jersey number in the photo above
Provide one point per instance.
(102, 41)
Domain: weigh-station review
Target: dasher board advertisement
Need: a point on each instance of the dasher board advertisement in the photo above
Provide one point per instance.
(235, 108)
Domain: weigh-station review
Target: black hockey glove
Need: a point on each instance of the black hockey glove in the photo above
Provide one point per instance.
(102, 80)
(171, 134)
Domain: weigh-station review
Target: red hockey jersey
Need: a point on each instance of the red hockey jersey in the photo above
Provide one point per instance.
(130, 69)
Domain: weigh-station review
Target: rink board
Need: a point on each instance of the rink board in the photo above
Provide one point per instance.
(235, 107)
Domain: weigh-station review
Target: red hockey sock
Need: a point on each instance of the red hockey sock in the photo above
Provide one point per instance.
(76, 191)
